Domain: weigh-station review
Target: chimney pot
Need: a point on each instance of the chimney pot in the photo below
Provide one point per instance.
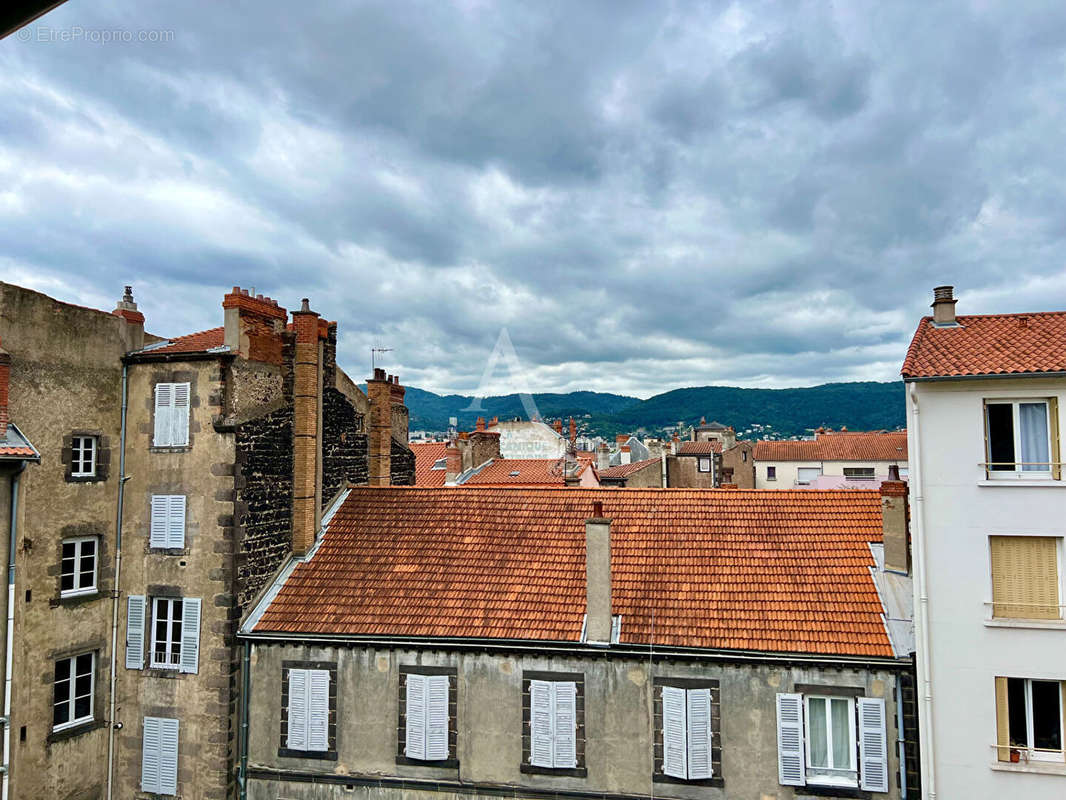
(893, 472)
(944, 305)
(305, 305)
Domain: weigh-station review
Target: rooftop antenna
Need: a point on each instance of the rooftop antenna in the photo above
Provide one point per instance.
(373, 356)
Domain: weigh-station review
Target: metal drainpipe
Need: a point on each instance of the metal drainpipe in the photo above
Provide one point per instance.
(9, 630)
(116, 592)
(246, 683)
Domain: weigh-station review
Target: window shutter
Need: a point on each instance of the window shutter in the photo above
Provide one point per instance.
(135, 631)
(164, 396)
(157, 536)
(437, 718)
(416, 717)
(176, 522)
(1002, 721)
(190, 634)
(318, 711)
(1025, 577)
(790, 769)
(180, 415)
(541, 724)
(150, 751)
(168, 756)
(675, 755)
(565, 756)
(296, 738)
(873, 746)
(1056, 452)
(699, 734)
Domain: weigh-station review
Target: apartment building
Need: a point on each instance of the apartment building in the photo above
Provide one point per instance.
(534, 643)
(831, 460)
(985, 398)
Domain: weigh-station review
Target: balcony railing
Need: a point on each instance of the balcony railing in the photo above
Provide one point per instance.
(1049, 468)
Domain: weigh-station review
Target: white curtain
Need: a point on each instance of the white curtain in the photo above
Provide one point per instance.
(1034, 436)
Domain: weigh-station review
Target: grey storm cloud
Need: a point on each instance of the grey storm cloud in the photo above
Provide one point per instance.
(644, 195)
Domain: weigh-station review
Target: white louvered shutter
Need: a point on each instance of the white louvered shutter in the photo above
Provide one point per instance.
(135, 631)
(790, 767)
(164, 401)
(416, 717)
(675, 755)
(157, 536)
(176, 521)
(699, 734)
(190, 634)
(541, 724)
(296, 738)
(437, 718)
(873, 745)
(179, 415)
(150, 752)
(565, 756)
(168, 756)
(318, 711)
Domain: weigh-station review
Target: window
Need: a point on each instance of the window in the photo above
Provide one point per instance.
(1029, 719)
(83, 456)
(175, 633)
(553, 724)
(771, 473)
(159, 756)
(1025, 577)
(686, 736)
(307, 726)
(77, 571)
(904, 473)
(744, 456)
(808, 474)
(168, 521)
(171, 415)
(427, 715)
(705, 465)
(72, 691)
(859, 473)
(817, 736)
(1021, 437)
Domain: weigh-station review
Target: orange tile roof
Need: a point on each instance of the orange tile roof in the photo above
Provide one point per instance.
(850, 446)
(770, 571)
(625, 470)
(426, 455)
(993, 344)
(531, 472)
(13, 444)
(194, 342)
(699, 448)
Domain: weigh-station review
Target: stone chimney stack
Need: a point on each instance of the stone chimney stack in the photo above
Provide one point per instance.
(400, 417)
(598, 577)
(127, 309)
(254, 325)
(5, 388)
(603, 457)
(675, 443)
(944, 305)
(894, 523)
(379, 393)
(305, 463)
(625, 455)
(573, 431)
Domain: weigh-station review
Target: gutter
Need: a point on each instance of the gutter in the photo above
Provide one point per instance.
(9, 630)
(992, 376)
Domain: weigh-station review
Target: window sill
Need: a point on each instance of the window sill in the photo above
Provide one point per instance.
(821, 790)
(1037, 767)
(328, 755)
(85, 478)
(717, 780)
(1043, 484)
(567, 772)
(75, 599)
(1039, 624)
(450, 763)
(75, 730)
(178, 448)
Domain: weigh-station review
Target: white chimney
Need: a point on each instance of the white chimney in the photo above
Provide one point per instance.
(598, 577)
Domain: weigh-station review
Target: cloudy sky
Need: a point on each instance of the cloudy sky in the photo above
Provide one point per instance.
(645, 195)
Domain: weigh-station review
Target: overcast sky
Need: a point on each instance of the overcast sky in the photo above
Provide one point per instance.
(645, 195)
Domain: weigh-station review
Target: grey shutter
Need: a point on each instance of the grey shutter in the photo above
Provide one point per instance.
(437, 718)
(541, 727)
(790, 767)
(135, 631)
(180, 415)
(873, 748)
(296, 737)
(318, 711)
(150, 752)
(415, 746)
(675, 755)
(565, 756)
(157, 536)
(190, 634)
(168, 756)
(176, 521)
(699, 734)
(164, 395)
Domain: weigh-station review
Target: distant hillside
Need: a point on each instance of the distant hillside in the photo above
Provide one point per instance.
(785, 412)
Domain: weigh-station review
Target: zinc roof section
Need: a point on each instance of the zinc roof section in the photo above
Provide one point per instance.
(992, 344)
(770, 571)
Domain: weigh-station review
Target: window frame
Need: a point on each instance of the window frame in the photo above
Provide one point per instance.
(330, 753)
(80, 591)
(77, 454)
(171, 619)
(872, 476)
(700, 461)
(452, 760)
(799, 475)
(658, 723)
(991, 473)
(71, 701)
(169, 443)
(1032, 754)
(1060, 583)
(578, 679)
(853, 745)
(771, 472)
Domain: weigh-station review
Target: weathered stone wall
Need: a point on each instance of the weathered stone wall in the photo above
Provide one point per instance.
(682, 472)
(344, 445)
(403, 465)
(741, 460)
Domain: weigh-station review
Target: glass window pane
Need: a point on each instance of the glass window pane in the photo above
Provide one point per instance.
(819, 743)
(82, 707)
(1001, 436)
(1047, 715)
(66, 581)
(60, 713)
(84, 664)
(1019, 734)
(62, 691)
(1032, 419)
(62, 670)
(841, 734)
(68, 550)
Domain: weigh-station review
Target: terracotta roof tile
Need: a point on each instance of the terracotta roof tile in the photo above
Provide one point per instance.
(850, 446)
(426, 455)
(194, 342)
(699, 448)
(773, 571)
(519, 472)
(994, 344)
(625, 470)
(13, 444)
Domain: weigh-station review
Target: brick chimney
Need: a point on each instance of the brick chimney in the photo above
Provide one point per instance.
(127, 309)
(944, 306)
(305, 462)
(558, 426)
(894, 523)
(598, 577)
(399, 410)
(480, 425)
(254, 325)
(379, 393)
(5, 387)
(625, 455)
(573, 431)
(675, 443)
(482, 446)
(453, 463)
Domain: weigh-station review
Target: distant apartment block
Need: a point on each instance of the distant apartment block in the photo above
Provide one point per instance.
(832, 460)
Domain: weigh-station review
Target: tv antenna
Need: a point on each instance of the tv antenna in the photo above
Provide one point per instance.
(373, 356)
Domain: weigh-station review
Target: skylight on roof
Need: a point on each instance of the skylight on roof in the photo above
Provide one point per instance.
(440, 463)
(514, 473)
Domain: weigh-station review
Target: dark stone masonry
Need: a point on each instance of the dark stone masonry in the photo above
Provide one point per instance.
(344, 445)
